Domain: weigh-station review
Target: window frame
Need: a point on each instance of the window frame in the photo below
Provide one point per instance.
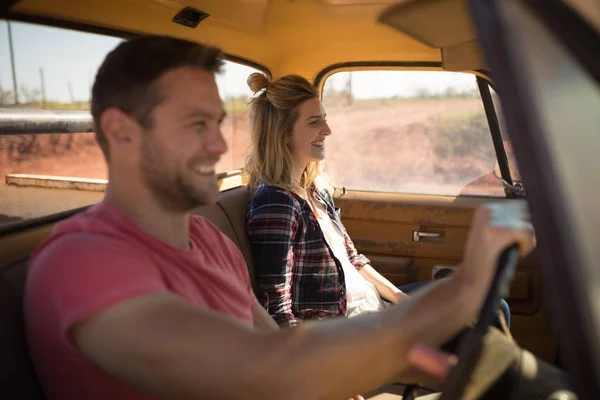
(511, 188)
(483, 81)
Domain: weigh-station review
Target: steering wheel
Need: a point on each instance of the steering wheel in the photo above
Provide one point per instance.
(470, 347)
(516, 383)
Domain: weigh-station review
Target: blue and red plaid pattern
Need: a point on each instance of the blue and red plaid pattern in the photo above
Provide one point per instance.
(295, 270)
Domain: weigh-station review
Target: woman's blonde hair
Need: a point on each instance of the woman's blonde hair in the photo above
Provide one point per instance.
(273, 114)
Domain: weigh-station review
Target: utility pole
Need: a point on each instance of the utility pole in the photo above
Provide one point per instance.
(90, 90)
(1, 94)
(70, 91)
(43, 87)
(12, 62)
(349, 97)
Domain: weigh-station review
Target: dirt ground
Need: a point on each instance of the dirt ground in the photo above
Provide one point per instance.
(397, 146)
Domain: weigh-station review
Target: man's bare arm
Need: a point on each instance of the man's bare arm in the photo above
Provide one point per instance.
(166, 346)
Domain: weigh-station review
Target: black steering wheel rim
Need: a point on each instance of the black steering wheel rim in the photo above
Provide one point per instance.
(470, 346)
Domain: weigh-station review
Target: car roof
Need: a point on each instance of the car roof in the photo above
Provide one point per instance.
(302, 37)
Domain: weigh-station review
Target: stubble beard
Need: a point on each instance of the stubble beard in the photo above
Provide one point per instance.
(175, 191)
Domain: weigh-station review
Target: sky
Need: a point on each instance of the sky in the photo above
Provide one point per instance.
(71, 59)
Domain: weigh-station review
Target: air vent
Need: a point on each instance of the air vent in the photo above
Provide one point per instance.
(190, 17)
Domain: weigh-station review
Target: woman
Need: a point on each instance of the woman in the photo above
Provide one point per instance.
(306, 264)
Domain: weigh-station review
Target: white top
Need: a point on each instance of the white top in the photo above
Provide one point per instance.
(362, 295)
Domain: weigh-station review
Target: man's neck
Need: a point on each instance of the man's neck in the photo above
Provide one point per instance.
(171, 227)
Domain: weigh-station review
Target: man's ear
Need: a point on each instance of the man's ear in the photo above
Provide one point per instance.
(120, 129)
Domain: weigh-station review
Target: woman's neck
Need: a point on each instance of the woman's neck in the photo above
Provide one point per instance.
(297, 171)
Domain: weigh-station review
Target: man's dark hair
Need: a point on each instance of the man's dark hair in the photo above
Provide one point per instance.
(126, 78)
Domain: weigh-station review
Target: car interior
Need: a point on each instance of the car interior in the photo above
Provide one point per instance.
(408, 229)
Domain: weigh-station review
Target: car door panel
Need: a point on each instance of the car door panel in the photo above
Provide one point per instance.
(382, 227)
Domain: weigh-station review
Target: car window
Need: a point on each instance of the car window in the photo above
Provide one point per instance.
(422, 132)
(52, 71)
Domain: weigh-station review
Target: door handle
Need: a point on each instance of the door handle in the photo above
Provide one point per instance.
(417, 235)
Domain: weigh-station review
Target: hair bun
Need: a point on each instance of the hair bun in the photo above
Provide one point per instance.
(258, 82)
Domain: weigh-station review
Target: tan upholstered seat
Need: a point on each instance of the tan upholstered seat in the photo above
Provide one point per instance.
(229, 215)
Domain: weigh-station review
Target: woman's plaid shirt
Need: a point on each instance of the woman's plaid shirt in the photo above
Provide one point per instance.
(296, 271)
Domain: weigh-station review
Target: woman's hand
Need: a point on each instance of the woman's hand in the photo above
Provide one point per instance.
(386, 289)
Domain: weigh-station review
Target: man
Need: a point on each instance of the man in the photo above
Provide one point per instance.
(135, 299)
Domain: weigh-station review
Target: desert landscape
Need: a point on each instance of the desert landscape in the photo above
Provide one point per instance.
(411, 146)
(429, 146)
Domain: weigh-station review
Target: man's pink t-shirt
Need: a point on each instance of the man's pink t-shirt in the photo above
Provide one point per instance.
(99, 258)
